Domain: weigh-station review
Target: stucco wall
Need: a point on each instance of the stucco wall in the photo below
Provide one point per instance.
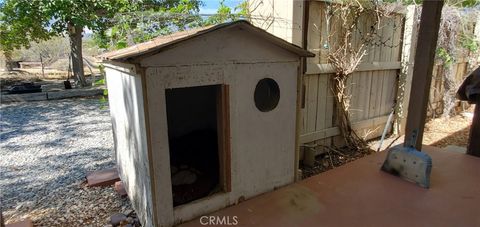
(128, 121)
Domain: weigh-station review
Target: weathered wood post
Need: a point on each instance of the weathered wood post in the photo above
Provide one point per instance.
(2, 221)
(422, 70)
(409, 45)
(474, 141)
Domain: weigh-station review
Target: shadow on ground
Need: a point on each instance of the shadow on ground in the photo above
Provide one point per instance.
(458, 138)
(49, 145)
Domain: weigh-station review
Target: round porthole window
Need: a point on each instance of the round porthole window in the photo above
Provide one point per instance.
(267, 95)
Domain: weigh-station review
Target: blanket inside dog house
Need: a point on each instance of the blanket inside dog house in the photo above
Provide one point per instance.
(203, 119)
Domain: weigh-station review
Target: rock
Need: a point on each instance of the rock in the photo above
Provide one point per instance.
(19, 207)
(174, 169)
(325, 164)
(116, 219)
(128, 212)
(24, 206)
(184, 177)
(136, 222)
(467, 115)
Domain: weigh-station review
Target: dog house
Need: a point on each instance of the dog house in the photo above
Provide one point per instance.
(203, 119)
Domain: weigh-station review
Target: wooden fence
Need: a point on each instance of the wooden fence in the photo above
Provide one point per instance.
(437, 91)
(381, 82)
(373, 87)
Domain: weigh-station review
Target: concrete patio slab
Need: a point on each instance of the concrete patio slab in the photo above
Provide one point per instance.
(454, 148)
(359, 194)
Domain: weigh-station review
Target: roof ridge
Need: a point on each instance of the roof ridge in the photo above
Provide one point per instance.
(159, 42)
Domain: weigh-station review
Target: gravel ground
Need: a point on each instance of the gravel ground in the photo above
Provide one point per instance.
(47, 148)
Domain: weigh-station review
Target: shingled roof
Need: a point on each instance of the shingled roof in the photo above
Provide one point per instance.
(160, 43)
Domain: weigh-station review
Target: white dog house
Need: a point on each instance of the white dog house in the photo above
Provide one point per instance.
(203, 119)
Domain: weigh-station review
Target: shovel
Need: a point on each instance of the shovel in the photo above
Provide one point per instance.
(408, 163)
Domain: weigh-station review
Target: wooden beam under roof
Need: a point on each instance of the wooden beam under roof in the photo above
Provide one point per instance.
(422, 71)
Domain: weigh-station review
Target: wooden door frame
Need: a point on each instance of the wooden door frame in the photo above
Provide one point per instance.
(223, 133)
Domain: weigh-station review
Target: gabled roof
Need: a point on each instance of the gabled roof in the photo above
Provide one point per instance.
(160, 43)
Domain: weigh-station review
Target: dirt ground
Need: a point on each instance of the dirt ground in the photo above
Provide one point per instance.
(439, 132)
(31, 75)
(35, 75)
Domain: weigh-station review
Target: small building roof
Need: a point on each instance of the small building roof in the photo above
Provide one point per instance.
(162, 42)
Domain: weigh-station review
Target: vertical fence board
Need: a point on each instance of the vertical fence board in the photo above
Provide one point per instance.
(372, 91)
(312, 102)
(322, 101)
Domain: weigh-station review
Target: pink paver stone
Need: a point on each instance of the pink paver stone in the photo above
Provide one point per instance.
(105, 177)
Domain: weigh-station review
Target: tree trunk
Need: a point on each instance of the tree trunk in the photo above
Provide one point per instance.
(8, 61)
(75, 34)
(342, 103)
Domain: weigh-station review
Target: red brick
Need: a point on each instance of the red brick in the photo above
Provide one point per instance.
(120, 188)
(105, 177)
(24, 223)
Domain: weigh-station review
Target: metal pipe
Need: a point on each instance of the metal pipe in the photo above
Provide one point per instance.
(385, 130)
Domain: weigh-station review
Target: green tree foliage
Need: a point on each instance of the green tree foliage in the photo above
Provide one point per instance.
(146, 22)
(115, 23)
(456, 3)
(462, 3)
(19, 30)
(93, 14)
(59, 17)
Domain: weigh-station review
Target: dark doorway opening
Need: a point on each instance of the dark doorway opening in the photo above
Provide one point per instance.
(195, 132)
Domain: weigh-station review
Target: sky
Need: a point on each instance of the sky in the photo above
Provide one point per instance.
(211, 6)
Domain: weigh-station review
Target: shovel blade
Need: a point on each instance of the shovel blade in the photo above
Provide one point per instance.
(409, 164)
